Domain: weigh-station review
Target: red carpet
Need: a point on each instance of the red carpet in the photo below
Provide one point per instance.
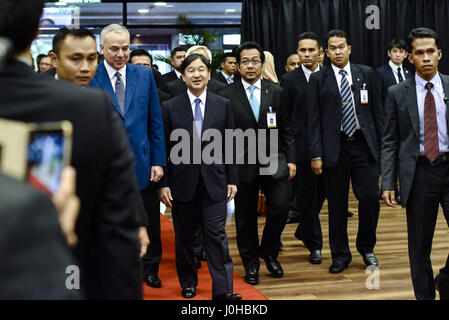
(171, 289)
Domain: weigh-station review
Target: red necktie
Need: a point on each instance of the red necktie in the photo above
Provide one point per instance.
(431, 147)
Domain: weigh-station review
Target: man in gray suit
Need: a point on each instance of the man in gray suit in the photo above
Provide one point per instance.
(415, 145)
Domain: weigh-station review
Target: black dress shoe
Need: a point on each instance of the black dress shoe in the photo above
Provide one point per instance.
(443, 295)
(252, 276)
(292, 218)
(197, 262)
(228, 296)
(315, 257)
(338, 266)
(274, 267)
(152, 280)
(370, 259)
(188, 292)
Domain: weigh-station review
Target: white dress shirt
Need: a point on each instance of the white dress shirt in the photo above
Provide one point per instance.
(440, 106)
(257, 90)
(395, 71)
(308, 72)
(227, 77)
(111, 73)
(338, 76)
(192, 99)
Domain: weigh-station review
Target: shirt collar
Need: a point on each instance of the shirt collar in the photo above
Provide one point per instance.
(226, 76)
(111, 71)
(421, 83)
(347, 68)
(192, 97)
(393, 66)
(258, 84)
(178, 74)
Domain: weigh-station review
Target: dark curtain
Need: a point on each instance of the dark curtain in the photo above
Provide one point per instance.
(275, 24)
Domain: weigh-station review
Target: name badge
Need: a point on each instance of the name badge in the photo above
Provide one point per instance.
(271, 119)
(364, 94)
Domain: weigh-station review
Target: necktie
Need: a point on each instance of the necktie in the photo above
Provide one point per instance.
(198, 117)
(348, 117)
(120, 91)
(253, 102)
(431, 146)
(400, 75)
(230, 80)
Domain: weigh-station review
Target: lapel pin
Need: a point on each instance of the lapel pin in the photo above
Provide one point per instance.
(358, 80)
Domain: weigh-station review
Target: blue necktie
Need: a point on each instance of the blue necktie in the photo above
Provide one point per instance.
(230, 80)
(400, 75)
(198, 117)
(120, 91)
(253, 102)
(348, 117)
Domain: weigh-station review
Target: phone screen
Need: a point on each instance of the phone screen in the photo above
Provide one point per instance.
(45, 158)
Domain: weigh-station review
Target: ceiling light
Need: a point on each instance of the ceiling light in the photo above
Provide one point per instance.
(143, 11)
(230, 11)
(160, 4)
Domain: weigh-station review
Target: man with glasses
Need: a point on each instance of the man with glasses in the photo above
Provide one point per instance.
(256, 105)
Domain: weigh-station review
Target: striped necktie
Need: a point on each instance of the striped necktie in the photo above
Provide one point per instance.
(431, 143)
(348, 117)
(400, 75)
(120, 92)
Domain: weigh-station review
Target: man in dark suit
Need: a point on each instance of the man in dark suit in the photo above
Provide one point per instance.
(345, 126)
(178, 86)
(107, 228)
(257, 107)
(177, 57)
(415, 146)
(143, 58)
(227, 75)
(33, 251)
(196, 186)
(309, 188)
(393, 72)
(133, 91)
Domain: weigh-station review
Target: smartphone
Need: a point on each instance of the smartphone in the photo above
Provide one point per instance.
(36, 152)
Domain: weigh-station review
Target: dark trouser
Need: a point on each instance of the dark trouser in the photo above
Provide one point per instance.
(213, 222)
(276, 194)
(310, 189)
(198, 240)
(154, 252)
(355, 164)
(429, 189)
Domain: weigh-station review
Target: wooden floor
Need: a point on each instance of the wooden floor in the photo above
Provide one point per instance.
(303, 280)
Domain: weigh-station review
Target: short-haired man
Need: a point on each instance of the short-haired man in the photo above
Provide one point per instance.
(415, 147)
(393, 72)
(228, 69)
(178, 86)
(292, 62)
(43, 62)
(256, 105)
(76, 55)
(308, 191)
(202, 189)
(107, 228)
(144, 58)
(345, 127)
(133, 91)
(178, 55)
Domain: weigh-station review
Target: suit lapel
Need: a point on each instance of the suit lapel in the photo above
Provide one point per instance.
(412, 104)
(301, 79)
(331, 83)
(105, 84)
(209, 112)
(240, 92)
(445, 81)
(131, 84)
(357, 81)
(265, 99)
(390, 76)
(186, 114)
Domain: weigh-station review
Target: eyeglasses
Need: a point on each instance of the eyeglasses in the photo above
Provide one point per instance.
(254, 62)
